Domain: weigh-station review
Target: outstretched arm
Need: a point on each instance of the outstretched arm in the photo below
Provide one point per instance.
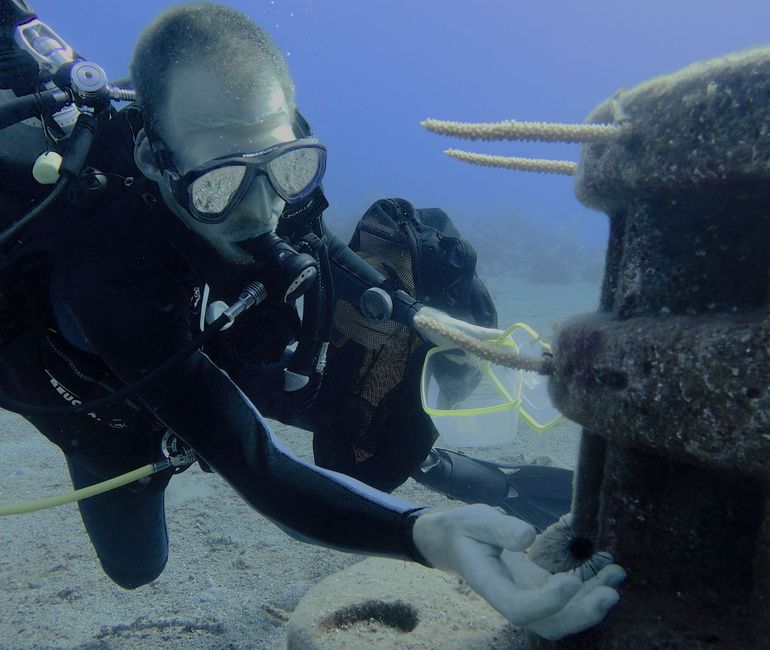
(142, 319)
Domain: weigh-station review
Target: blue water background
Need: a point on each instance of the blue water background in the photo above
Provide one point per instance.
(368, 71)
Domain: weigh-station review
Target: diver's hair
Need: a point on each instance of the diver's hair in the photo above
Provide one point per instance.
(216, 38)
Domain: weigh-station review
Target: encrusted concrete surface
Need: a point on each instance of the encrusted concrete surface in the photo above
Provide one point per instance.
(704, 125)
(693, 387)
(671, 379)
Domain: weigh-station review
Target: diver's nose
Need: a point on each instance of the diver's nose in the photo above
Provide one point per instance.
(261, 201)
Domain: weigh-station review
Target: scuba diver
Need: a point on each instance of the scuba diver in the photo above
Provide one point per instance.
(197, 214)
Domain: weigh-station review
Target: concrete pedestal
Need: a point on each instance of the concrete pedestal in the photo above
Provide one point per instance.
(672, 378)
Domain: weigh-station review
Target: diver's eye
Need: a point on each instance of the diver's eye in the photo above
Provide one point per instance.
(294, 170)
(213, 192)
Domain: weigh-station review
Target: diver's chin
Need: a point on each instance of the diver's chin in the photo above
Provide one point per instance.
(246, 250)
(251, 245)
(233, 253)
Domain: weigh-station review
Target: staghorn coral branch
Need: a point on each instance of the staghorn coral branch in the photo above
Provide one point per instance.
(502, 355)
(536, 131)
(539, 165)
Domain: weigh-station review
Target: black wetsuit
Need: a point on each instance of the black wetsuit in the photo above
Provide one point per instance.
(119, 300)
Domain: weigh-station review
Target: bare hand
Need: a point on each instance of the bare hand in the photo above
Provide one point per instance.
(485, 548)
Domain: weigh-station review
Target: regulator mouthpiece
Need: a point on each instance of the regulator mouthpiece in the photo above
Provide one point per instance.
(289, 273)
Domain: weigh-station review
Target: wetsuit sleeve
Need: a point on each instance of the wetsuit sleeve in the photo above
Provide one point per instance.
(133, 325)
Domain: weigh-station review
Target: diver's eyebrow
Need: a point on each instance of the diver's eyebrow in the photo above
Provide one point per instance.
(201, 147)
(269, 120)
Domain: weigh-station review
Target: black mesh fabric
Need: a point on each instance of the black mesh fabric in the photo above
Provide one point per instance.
(368, 420)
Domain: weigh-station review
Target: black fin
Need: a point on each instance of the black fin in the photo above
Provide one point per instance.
(538, 494)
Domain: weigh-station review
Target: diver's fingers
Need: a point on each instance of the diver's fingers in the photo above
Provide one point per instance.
(523, 570)
(525, 606)
(579, 615)
(453, 539)
(469, 541)
(610, 576)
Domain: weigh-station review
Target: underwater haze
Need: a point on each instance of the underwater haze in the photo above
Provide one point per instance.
(367, 72)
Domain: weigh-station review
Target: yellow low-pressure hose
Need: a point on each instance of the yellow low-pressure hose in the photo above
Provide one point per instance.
(83, 493)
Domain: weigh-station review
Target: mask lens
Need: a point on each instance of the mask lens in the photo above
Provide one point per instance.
(212, 192)
(294, 171)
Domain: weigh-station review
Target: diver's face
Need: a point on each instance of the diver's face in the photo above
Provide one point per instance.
(204, 119)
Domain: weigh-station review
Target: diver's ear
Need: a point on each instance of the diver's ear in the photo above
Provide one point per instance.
(145, 159)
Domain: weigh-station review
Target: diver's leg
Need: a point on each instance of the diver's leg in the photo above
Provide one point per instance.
(126, 527)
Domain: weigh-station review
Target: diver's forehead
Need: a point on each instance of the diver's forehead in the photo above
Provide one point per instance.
(205, 117)
(199, 146)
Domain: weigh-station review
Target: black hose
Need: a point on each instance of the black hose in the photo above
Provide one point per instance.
(317, 316)
(61, 185)
(15, 110)
(80, 144)
(328, 288)
(303, 360)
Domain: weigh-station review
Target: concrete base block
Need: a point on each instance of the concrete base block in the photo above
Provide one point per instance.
(381, 604)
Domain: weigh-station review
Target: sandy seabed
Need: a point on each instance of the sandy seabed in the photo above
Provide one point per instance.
(233, 577)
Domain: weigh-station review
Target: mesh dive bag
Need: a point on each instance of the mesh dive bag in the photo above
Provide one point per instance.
(368, 421)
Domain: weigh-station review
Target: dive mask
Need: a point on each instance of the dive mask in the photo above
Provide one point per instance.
(212, 190)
